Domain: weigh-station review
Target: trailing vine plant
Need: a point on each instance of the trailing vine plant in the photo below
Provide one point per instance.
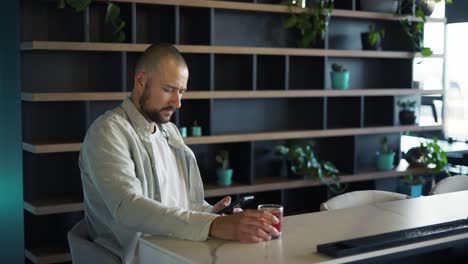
(112, 15)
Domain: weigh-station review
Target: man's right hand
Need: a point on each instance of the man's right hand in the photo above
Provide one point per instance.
(249, 226)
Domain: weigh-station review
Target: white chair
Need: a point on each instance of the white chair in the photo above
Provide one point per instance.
(451, 184)
(84, 251)
(358, 198)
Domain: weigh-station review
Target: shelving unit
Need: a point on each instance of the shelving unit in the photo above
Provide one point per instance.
(248, 93)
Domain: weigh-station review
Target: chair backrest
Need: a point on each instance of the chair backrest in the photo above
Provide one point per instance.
(84, 251)
(358, 198)
(451, 184)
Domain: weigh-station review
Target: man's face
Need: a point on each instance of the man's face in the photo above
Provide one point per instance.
(163, 91)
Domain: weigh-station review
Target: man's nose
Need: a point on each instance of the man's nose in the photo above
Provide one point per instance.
(176, 100)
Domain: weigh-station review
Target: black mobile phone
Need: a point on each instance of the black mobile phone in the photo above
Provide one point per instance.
(236, 204)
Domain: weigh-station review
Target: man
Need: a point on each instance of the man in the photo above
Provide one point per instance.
(139, 177)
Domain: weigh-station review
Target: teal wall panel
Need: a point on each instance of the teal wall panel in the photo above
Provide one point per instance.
(11, 178)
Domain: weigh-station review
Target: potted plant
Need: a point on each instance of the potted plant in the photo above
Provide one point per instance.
(224, 173)
(339, 77)
(310, 24)
(385, 157)
(196, 130)
(303, 162)
(372, 40)
(411, 186)
(428, 154)
(407, 114)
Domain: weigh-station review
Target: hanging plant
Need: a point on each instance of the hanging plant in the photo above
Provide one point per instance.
(304, 162)
(311, 25)
(112, 15)
(415, 29)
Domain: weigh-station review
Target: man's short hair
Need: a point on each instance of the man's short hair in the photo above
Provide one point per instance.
(151, 59)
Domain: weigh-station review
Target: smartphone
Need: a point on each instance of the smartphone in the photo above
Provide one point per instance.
(236, 204)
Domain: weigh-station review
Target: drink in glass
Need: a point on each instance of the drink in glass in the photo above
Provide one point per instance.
(276, 210)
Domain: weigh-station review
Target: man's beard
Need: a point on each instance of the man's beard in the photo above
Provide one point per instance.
(153, 114)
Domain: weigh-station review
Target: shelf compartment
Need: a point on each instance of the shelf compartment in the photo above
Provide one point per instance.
(195, 95)
(378, 111)
(305, 73)
(195, 110)
(261, 115)
(295, 202)
(60, 121)
(46, 236)
(374, 73)
(42, 20)
(45, 71)
(155, 23)
(343, 112)
(368, 145)
(338, 150)
(194, 26)
(99, 31)
(345, 34)
(266, 163)
(233, 72)
(199, 72)
(48, 255)
(51, 175)
(239, 161)
(271, 73)
(266, 27)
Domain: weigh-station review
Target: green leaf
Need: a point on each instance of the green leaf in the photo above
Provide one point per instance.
(120, 27)
(79, 5)
(426, 52)
(112, 13)
(61, 4)
(373, 37)
(290, 22)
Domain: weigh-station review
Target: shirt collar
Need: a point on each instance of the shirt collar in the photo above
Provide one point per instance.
(138, 120)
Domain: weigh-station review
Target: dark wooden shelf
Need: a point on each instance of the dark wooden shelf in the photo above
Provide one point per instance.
(54, 206)
(305, 134)
(276, 8)
(116, 96)
(39, 148)
(89, 46)
(48, 255)
(51, 147)
(272, 183)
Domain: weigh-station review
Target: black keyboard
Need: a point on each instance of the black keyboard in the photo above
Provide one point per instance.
(392, 239)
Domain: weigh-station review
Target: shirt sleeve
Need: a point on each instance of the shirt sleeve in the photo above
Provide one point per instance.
(107, 159)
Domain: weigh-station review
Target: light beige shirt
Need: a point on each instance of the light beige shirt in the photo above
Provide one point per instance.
(122, 196)
(170, 173)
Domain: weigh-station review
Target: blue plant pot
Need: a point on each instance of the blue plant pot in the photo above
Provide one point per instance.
(183, 131)
(412, 190)
(340, 80)
(196, 131)
(385, 161)
(224, 176)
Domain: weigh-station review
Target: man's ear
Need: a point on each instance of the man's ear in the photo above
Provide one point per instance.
(140, 80)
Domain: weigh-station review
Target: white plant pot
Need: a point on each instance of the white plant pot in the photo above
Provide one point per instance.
(386, 6)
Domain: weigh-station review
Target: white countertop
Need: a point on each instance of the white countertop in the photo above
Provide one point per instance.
(302, 234)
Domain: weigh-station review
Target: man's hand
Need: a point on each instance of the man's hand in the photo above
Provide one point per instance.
(248, 226)
(221, 204)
